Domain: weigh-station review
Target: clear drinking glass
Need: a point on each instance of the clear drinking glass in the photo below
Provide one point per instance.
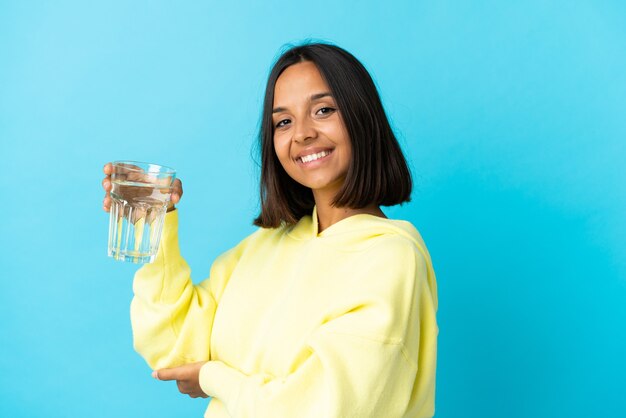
(140, 194)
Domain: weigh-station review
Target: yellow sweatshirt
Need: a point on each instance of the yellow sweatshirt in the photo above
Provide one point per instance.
(298, 324)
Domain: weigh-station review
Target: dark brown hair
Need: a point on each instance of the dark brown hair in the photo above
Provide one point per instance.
(378, 172)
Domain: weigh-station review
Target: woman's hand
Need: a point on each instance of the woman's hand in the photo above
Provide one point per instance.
(187, 378)
(177, 190)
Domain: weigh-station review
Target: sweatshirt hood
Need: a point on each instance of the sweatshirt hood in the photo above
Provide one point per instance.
(355, 231)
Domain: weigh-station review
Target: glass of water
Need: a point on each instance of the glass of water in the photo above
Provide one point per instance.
(139, 197)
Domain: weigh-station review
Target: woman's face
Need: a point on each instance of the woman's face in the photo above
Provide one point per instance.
(310, 138)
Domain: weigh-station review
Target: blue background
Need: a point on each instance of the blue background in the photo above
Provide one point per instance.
(512, 115)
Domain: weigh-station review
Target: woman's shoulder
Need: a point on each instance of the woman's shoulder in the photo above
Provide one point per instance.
(261, 237)
(395, 248)
(365, 233)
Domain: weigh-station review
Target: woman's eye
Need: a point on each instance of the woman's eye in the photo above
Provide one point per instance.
(282, 123)
(325, 110)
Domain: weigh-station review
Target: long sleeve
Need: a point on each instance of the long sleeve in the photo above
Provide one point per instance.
(376, 359)
(171, 317)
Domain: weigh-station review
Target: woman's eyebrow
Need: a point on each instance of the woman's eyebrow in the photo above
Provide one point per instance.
(319, 96)
(313, 98)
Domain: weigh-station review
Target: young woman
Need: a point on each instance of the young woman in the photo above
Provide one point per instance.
(328, 309)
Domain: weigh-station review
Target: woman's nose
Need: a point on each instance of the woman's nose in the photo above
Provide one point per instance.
(304, 131)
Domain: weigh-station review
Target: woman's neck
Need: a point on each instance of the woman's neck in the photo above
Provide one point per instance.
(328, 215)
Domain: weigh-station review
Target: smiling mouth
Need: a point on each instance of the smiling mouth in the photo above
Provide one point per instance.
(313, 157)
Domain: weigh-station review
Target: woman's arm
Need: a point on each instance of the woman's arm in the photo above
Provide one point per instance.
(172, 318)
(356, 366)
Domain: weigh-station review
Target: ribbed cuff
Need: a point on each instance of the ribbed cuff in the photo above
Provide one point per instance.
(222, 382)
(149, 279)
(169, 235)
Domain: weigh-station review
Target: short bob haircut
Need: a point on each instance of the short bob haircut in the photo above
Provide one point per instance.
(378, 173)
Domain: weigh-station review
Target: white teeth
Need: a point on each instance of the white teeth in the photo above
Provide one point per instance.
(313, 157)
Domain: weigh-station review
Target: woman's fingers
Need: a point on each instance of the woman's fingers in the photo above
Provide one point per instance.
(177, 191)
(107, 186)
(106, 204)
(187, 378)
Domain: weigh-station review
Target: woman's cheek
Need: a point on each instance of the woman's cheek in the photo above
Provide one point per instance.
(281, 147)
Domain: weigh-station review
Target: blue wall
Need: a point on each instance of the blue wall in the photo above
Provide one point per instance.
(512, 116)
